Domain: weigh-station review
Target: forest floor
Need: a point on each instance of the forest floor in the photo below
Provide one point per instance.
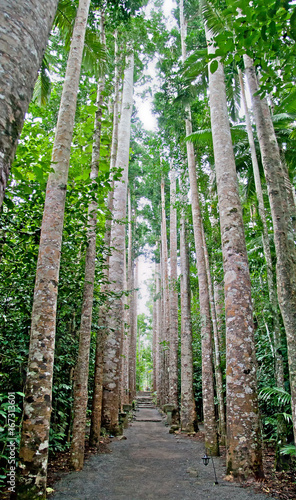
(152, 464)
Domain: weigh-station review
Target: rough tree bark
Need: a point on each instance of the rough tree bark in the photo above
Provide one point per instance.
(282, 224)
(37, 405)
(116, 263)
(187, 410)
(278, 358)
(133, 338)
(218, 370)
(244, 455)
(165, 301)
(82, 366)
(174, 341)
(96, 414)
(210, 428)
(155, 334)
(24, 31)
(130, 273)
(158, 329)
(124, 393)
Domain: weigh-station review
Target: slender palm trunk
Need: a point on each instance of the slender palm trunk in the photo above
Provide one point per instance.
(155, 335)
(244, 455)
(96, 414)
(218, 370)
(219, 307)
(133, 339)
(25, 28)
(130, 315)
(187, 410)
(37, 405)
(82, 367)
(124, 396)
(282, 224)
(210, 428)
(166, 299)
(158, 330)
(113, 344)
(278, 358)
(174, 341)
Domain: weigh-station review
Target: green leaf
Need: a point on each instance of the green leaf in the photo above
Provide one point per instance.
(9, 203)
(213, 66)
(263, 33)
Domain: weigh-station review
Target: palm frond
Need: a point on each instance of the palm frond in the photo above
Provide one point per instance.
(65, 19)
(288, 103)
(214, 17)
(203, 136)
(94, 55)
(281, 396)
(288, 449)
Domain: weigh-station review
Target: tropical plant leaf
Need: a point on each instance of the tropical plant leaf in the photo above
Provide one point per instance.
(281, 396)
(288, 449)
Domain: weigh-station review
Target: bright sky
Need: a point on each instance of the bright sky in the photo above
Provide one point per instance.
(146, 267)
(144, 106)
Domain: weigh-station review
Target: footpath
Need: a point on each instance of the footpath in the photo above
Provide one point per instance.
(151, 464)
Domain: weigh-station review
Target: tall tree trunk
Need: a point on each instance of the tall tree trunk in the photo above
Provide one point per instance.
(219, 308)
(116, 264)
(96, 414)
(279, 363)
(282, 223)
(130, 286)
(158, 329)
(25, 28)
(166, 298)
(210, 428)
(155, 334)
(82, 367)
(133, 339)
(124, 397)
(37, 404)
(218, 370)
(173, 374)
(187, 410)
(130, 302)
(244, 455)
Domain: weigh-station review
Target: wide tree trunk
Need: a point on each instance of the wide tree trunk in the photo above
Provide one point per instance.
(82, 367)
(244, 455)
(174, 341)
(113, 345)
(187, 410)
(24, 32)
(37, 405)
(284, 237)
(210, 428)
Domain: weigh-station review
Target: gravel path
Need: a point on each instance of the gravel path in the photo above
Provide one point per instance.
(151, 464)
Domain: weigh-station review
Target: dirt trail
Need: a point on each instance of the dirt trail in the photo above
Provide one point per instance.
(151, 464)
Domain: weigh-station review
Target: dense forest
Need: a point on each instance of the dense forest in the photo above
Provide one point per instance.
(86, 191)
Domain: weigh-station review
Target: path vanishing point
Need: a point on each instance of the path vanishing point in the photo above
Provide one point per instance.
(151, 464)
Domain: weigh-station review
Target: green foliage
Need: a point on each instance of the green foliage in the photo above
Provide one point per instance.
(288, 449)
(144, 362)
